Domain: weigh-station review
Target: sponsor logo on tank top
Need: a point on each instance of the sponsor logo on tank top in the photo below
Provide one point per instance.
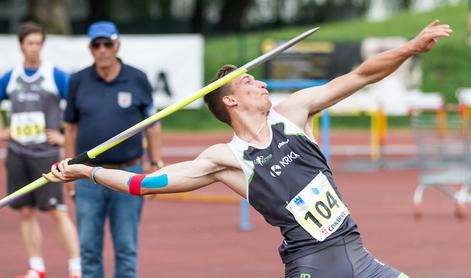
(22, 97)
(262, 160)
(281, 144)
(275, 170)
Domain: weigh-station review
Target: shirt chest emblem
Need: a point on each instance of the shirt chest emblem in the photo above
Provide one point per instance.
(262, 160)
(285, 161)
(124, 99)
(282, 143)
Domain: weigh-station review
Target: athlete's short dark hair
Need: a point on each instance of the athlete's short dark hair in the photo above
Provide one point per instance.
(214, 99)
(28, 28)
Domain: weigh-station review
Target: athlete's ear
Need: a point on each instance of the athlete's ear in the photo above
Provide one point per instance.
(229, 100)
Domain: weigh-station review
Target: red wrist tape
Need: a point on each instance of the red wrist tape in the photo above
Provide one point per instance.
(135, 184)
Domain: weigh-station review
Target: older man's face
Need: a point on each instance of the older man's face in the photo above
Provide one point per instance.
(104, 51)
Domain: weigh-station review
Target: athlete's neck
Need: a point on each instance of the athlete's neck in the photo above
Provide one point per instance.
(252, 128)
(32, 64)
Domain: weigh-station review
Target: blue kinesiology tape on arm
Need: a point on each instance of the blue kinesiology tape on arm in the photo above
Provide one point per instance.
(155, 181)
(151, 182)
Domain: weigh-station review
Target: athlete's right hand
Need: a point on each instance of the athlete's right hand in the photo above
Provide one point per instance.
(427, 38)
(63, 172)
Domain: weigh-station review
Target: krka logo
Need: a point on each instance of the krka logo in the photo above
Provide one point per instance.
(275, 170)
(260, 160)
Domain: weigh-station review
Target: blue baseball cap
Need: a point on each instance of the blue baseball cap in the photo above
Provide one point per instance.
(103, 29)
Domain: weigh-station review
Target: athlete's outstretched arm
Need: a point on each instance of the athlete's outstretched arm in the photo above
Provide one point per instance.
(304, 103)
(179, 177)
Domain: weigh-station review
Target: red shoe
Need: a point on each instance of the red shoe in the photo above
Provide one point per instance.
(75, 274)
(33, 274)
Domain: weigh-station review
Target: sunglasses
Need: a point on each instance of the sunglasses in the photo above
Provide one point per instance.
(106, 44)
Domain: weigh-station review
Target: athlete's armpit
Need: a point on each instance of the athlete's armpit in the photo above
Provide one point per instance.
(221, 156)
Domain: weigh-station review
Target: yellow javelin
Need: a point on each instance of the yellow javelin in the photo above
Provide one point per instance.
(87, 156)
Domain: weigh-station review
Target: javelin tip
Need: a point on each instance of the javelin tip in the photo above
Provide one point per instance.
(310, 31)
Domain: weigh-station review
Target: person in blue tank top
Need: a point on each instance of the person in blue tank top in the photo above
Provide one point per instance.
(274, 162)
(34, 88)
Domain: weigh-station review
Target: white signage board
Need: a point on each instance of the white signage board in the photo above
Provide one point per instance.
(173, 62)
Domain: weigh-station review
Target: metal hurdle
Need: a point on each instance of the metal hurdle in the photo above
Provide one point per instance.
(364, 104)
(444, 156)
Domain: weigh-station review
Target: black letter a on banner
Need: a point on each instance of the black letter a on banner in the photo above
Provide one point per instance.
(162, 84)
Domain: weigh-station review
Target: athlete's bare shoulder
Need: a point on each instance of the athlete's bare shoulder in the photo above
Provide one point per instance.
(229, 170)
(221, 155)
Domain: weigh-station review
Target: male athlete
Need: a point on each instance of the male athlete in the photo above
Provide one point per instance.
(34, 88)
(278, 167)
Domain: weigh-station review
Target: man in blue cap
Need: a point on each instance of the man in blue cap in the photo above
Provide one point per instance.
(105, 99)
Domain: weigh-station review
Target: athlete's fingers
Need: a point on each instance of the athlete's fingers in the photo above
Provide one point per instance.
(441, 30)
(51, 178)
(61, 167)
(66, 167)
(443, 26)
(438, 34)
(433, 23)
(438, 30)
(55, 170)
(435, 30)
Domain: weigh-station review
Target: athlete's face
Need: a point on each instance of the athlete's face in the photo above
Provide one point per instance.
(250, 93)
(31, 47)
(104, 52)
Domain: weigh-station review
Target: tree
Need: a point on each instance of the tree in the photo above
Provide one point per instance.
(51, 14)
(166, 8)
(99, 10)
(197, 19)
(232, 13)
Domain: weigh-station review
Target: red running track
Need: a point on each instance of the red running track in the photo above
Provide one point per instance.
(181, 239)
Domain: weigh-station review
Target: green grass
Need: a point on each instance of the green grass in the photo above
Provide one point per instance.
(227, 49)
(445, 68)
(4, 117)
(194, 120)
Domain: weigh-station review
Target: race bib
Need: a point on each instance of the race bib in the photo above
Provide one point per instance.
(318, 209)
(28, 128)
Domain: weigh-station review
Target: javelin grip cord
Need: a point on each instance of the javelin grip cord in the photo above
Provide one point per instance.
(80, 159)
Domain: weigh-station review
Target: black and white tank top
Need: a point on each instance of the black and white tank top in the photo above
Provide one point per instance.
(276, 173)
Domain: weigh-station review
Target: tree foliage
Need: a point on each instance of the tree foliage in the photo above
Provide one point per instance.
(51, 14)
(203, 16)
